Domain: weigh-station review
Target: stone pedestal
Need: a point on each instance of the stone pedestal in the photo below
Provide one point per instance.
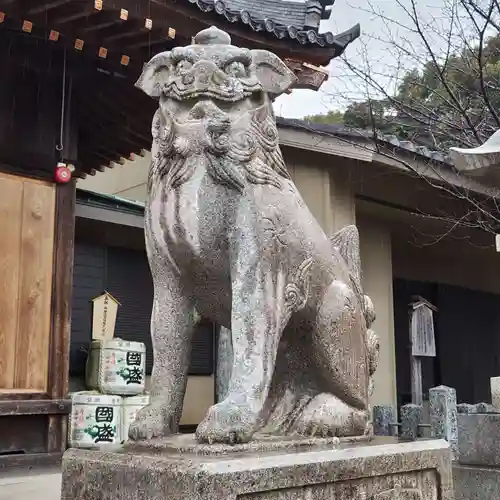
(477, 475)
(476, 483)
(178, 468)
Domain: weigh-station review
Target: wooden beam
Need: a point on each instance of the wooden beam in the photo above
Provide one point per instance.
(106, 22)
(61, 310)
(35, 407)
(156, 37)
(102, 157)
(45, 7)
(13, 462)
(91, 163)
(103, 152)
(110, 122)
(21, 394)
(60, 21)
(125, 34)
(308, 76)
(107, 137)
(134, 102)
(117, 132)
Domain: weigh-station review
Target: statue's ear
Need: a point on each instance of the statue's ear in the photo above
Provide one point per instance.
(155, 74)
(273, 74)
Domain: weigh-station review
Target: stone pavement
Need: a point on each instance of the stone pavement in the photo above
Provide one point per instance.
(28, 484)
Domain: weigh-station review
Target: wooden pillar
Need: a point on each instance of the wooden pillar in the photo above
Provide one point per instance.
(61, 312)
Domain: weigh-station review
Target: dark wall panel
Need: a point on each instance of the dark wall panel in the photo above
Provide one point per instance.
(467, 327)
(125, 274)
(469, 342)
(88, 282)
(129, 281)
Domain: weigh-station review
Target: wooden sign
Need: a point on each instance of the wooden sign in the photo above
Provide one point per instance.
(423, 342)
(104, 317)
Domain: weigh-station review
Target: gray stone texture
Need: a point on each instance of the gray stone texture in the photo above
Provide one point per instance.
(443, 415)
(495, 392)
(476, 483)
(224, 363)
(384, 418)
(410, 419)
(466, 408)
(484, 408)
(479, 439)
(381, 470)
(229, 236)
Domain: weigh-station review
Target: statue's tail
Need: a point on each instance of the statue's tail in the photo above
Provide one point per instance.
(346, 241)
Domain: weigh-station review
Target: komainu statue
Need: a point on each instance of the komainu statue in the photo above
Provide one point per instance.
(230, 239)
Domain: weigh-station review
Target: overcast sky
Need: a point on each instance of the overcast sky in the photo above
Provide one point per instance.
(340, 89)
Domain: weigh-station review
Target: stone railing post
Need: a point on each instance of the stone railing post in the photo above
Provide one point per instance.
(443, 416)
(411, 419)
(384, 420)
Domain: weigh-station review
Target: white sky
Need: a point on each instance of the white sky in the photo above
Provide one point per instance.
(341, 87)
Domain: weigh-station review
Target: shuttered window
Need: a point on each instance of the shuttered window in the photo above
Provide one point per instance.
(125, 274)
(88, 282)
(129, 281)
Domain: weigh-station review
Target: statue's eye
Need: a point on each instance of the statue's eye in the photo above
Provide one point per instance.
(183, 67)
(235, 68)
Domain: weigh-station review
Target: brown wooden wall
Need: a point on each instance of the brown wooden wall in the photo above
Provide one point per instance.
(27, 209)
(36, 249)
(36, 261)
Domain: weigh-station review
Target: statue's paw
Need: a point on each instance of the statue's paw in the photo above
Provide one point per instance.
(151, 421)
(227, 423)
(328, 416)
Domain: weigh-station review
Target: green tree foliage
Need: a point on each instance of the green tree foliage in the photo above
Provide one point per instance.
(332, 117)
(444, 74)
(445, 103)
(449, 93)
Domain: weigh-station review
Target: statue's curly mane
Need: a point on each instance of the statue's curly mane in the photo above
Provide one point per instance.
(252, 156)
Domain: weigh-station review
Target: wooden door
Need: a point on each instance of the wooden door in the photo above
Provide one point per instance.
(36, 255)
(27, 210)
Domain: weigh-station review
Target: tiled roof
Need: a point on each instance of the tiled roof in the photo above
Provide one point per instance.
(284, 12)
(352, 133)
(283, 19)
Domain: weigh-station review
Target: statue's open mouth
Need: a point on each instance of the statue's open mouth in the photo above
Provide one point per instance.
(204, 107)
(207, 107)
(227, 91)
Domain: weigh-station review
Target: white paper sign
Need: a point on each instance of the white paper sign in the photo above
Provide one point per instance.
(105, 308)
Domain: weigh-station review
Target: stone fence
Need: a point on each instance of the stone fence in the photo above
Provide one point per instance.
(473, 432)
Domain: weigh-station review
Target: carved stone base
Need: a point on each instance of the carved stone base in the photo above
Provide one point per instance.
(476, 482)
(382, 469)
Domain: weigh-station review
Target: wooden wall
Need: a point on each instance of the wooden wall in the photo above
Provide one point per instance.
(36, 249)
(27, 215)
(36, 266)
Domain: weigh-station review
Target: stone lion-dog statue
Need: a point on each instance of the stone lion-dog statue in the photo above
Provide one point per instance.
(230, 239)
